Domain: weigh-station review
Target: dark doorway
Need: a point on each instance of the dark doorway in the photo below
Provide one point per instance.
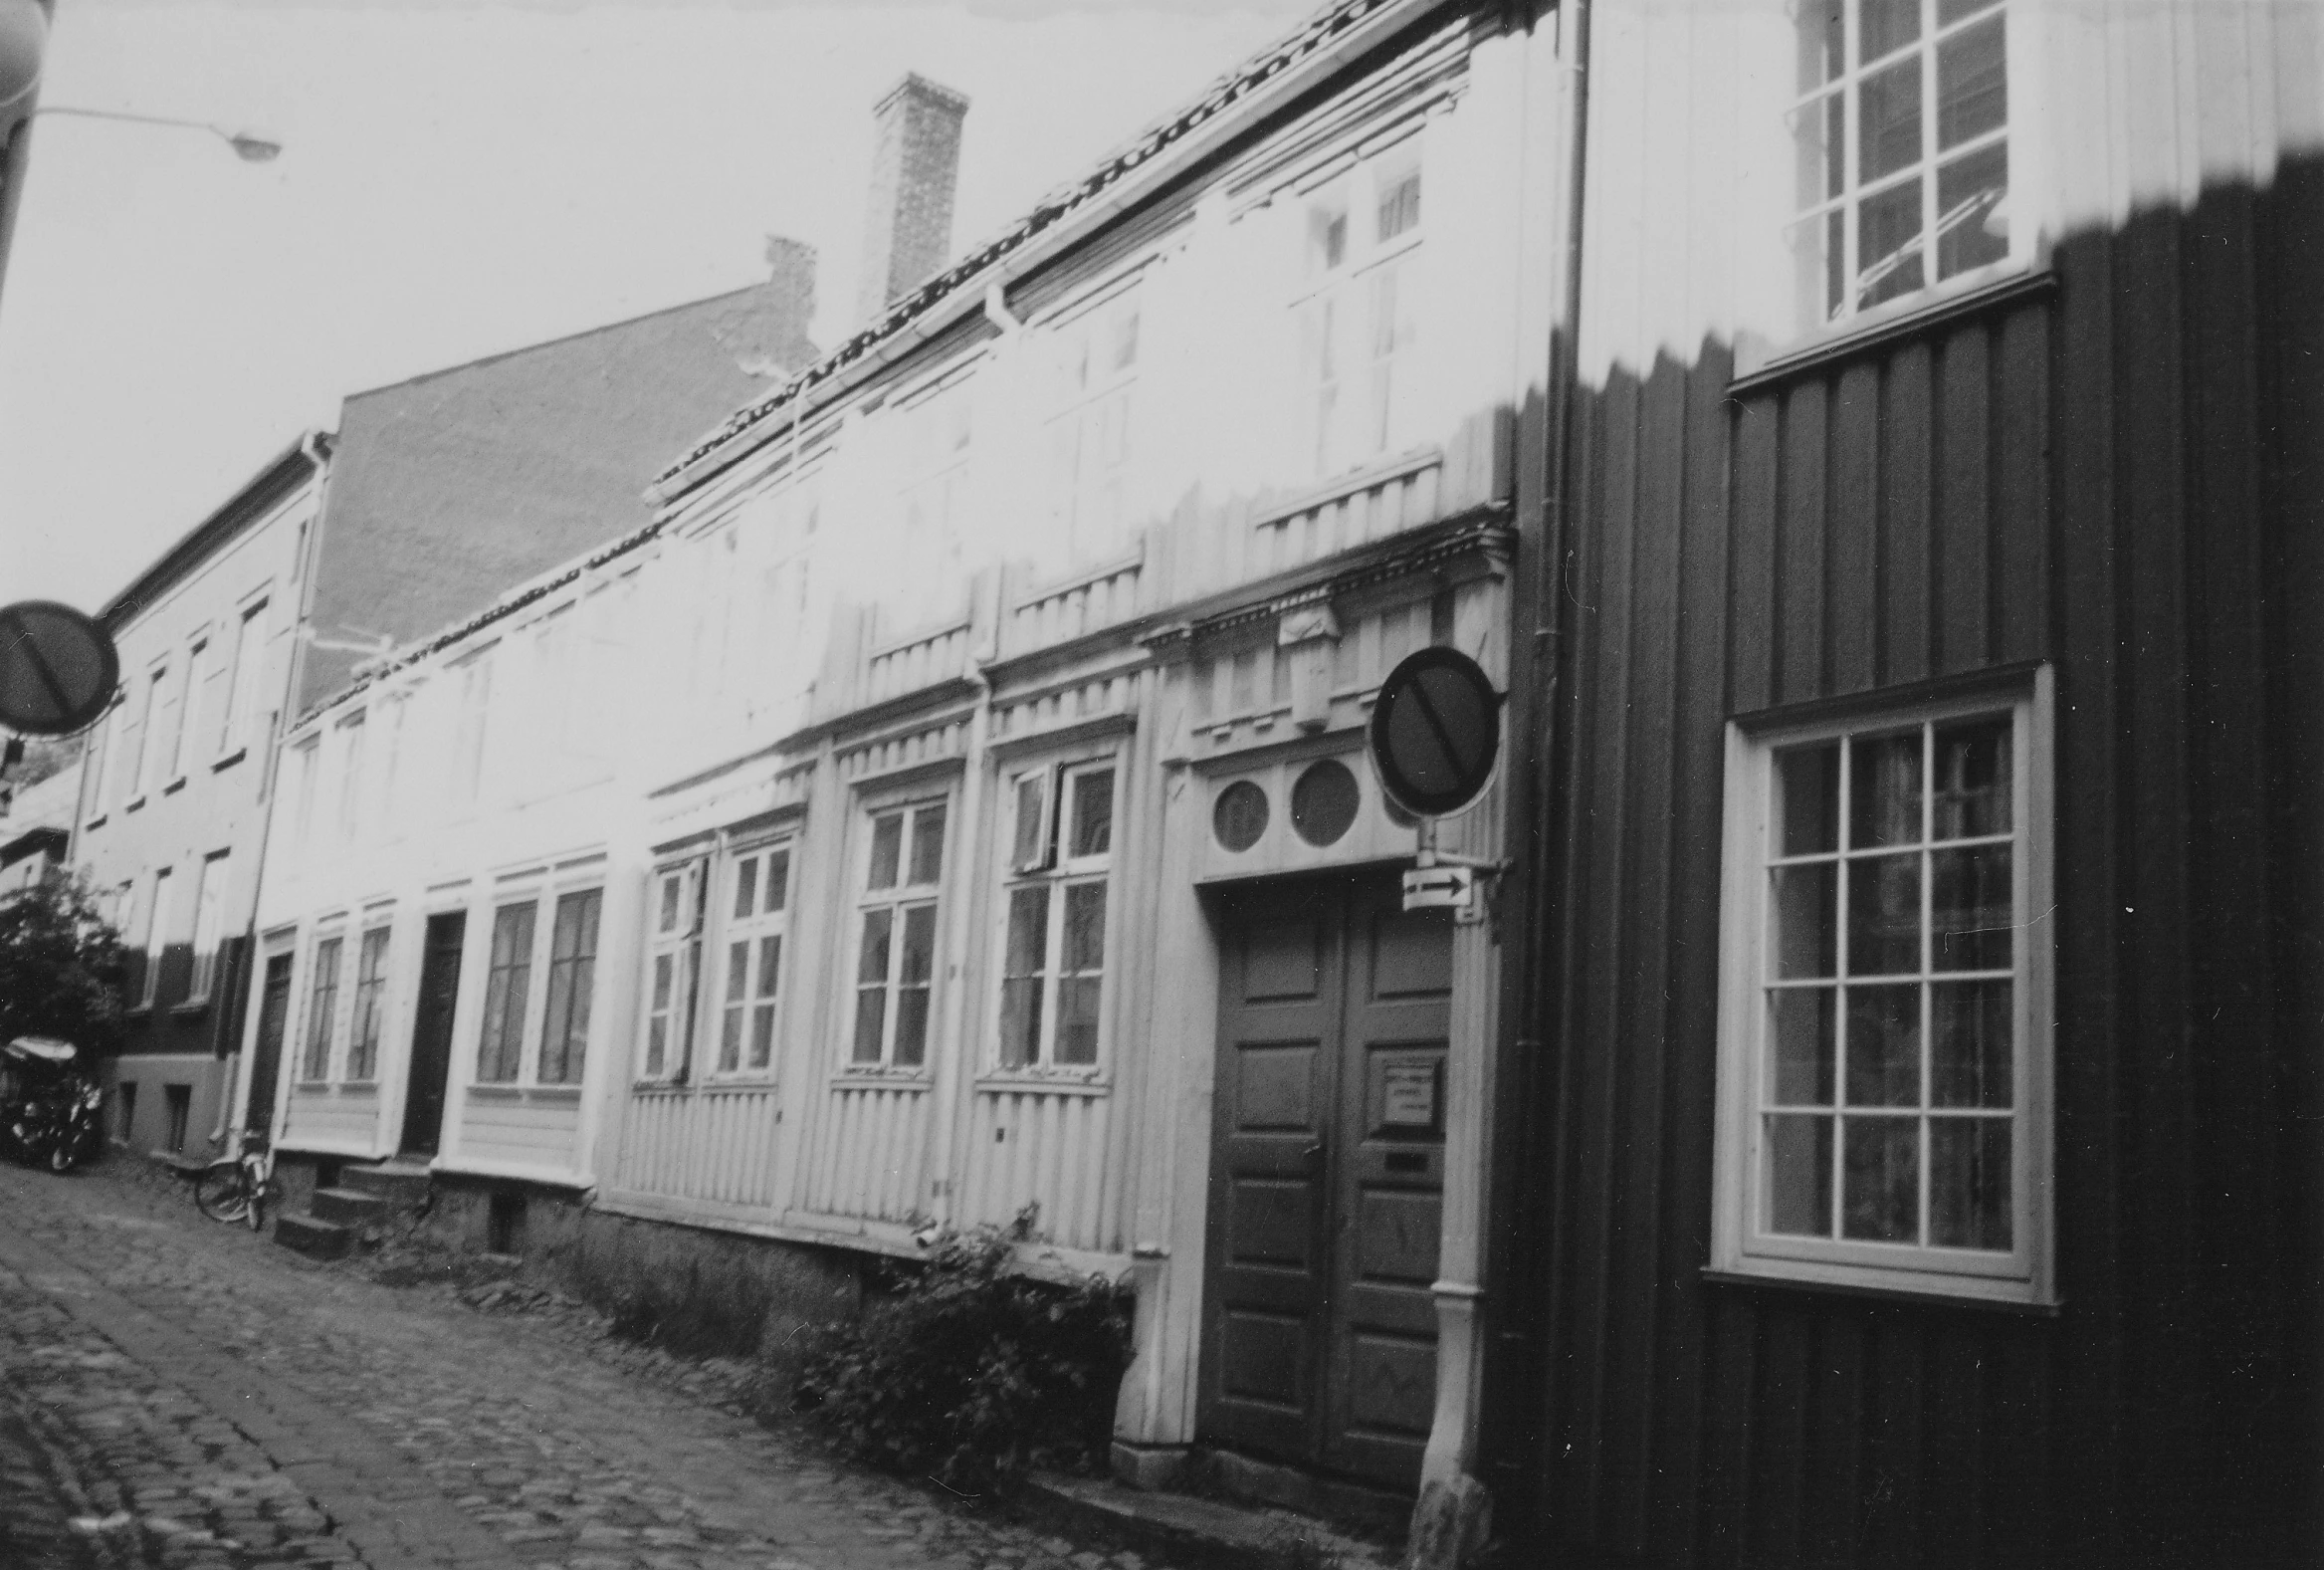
(1327, 1179)
(431, 1037)
(273, 1014)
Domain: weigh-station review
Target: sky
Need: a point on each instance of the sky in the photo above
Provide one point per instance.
(463, 178)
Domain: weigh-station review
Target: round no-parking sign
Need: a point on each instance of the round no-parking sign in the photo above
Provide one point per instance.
(1435, 732)
(57, 668)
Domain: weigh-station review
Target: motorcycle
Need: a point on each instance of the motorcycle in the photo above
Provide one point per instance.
(51, 1108)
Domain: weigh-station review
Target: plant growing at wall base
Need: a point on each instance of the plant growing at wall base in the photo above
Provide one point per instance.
(970, 1373)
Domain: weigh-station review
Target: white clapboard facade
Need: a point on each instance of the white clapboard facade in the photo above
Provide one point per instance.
(953, 802)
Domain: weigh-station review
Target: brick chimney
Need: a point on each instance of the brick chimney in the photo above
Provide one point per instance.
(765, 329)
(907, 228)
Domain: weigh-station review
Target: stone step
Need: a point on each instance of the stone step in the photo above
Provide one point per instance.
(347, 1207)
(1218, 1533)
(314, 1239)
(401, 1185)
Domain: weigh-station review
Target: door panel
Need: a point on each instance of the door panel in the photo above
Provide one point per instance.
(273, 1014)
(1389, 1189)
(430, 1037)
(1325, 1180)
(1268, 1193)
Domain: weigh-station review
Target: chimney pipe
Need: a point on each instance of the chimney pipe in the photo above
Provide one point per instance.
(915, 161)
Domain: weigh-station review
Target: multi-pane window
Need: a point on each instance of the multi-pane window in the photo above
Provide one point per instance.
(507, 985)
(1093, 367)
(1053, 952)
(572, 973)
(758, 899)
(1902, 144)
(323, 1007)
(168, 716)
(243, 700)
(672, 959)
(209, 924)
(896, 949)
(370, 1005)
(1357, 326)
(1882, 968)
(157, 919)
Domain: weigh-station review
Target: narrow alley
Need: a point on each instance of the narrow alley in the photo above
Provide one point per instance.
(178, 1392)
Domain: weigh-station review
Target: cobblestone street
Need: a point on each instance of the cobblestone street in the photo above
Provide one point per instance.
(177, 1393)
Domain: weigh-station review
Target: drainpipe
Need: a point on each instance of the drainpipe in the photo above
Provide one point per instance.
(1527, 1067)
(315, 446)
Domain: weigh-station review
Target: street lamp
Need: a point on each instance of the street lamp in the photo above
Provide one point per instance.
(248, 145)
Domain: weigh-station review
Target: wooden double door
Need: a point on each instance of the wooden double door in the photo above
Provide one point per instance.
(1326, 1178)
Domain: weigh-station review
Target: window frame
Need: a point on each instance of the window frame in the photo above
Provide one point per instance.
(159, 909)
(756, 1009)
(502, 1036)
(1740, 1246)
(898, 900)
(319, 1019)
(209, 924)
(681, 938)
(1078, 409)
(1056, 869)
(243, 677)
(369, 1000)
(580, 998)
(1335, 310)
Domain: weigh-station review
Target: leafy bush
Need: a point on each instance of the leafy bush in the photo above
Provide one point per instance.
(969, 1374)
(61, 967)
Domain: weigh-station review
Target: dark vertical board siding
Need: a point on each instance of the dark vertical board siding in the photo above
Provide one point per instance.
(1962, 498)
(1906, 445)
(1800, 547)
(1757, 608)
(1689, 966)
(1852, 529)
(1597, 1077)
(1647, 860)
(2020, 507)
(2075, 477)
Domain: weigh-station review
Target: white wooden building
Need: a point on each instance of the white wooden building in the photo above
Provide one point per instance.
(953, 802)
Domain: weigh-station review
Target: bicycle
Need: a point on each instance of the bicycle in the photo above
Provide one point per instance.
(239, 1187)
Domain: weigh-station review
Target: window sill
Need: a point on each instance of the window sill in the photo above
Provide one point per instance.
(875, 1079)
(2003, 285)
(174, 786)
(508, 1090)
(191, 1007)
(133, 803)
(1901, 1297)
(496, 1090)
(1083, 1083)
(757, 1082)
(231, 759)
(139, 1010)
(93, 823)
(556, 1092)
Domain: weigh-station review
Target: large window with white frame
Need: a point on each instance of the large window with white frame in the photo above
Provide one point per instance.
(932, 445)
(674, 943)
(896, 936)
(758, 913)
(1884, 1059)
(1053, 924)
(1901, 138)
(1357, 321)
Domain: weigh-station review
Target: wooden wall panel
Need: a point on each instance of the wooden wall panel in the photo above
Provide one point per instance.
(2076, 475)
